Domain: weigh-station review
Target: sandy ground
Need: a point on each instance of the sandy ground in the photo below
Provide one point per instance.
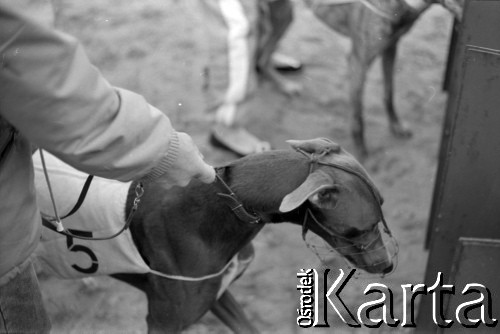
(156, 48)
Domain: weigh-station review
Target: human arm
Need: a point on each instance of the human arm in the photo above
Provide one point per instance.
(52, 94)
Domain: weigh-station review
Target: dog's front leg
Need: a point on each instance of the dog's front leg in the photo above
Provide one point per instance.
(227, 309)
(388, 62)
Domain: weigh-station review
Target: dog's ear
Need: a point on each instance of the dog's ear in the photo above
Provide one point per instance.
(318, 187)
(318, 145)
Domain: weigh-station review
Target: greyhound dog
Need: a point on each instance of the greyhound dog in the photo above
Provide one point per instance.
(375, 27)
(190, 237)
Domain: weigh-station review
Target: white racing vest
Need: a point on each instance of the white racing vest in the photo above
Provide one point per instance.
(101, 214)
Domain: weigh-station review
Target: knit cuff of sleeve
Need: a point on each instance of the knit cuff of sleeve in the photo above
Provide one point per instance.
(166, 162)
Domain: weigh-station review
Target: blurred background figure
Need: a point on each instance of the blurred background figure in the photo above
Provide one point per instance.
(242, 37)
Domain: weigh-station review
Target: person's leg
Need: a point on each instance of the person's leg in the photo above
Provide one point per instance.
(231, 76)
(21, 305)
(240, 48)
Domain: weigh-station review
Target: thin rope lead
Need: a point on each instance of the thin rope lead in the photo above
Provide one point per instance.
(57, 219)
(193, 279)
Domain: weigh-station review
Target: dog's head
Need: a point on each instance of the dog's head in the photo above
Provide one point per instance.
(343, 205)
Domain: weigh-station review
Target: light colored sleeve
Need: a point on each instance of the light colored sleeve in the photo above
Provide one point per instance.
(57, 99)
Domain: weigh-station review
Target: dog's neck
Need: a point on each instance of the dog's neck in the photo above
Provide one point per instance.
(259, 182)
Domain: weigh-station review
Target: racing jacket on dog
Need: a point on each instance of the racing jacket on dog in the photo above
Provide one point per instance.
(51, 95)
(101, 214)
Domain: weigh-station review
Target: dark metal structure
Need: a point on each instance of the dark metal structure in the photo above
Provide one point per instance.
(464, 226)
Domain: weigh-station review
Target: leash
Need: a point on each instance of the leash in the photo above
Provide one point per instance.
(79, 202)
(55, 223)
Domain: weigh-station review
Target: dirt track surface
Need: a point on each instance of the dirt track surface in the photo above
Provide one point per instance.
(156, 48)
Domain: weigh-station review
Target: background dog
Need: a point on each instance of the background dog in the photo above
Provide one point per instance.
(374, 28)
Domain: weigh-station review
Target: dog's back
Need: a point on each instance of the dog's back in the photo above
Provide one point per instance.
(359, 20)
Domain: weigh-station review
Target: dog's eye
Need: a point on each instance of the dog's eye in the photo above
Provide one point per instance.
(328, 195)
(327, 198)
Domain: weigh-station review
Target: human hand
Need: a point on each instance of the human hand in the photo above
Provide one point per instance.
(189, 165)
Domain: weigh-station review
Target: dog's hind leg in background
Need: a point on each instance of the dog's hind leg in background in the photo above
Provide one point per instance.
(397, 128)
(367, 44)
(275, 19)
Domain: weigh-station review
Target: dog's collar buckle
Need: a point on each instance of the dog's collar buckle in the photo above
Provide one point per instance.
(235, 204)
